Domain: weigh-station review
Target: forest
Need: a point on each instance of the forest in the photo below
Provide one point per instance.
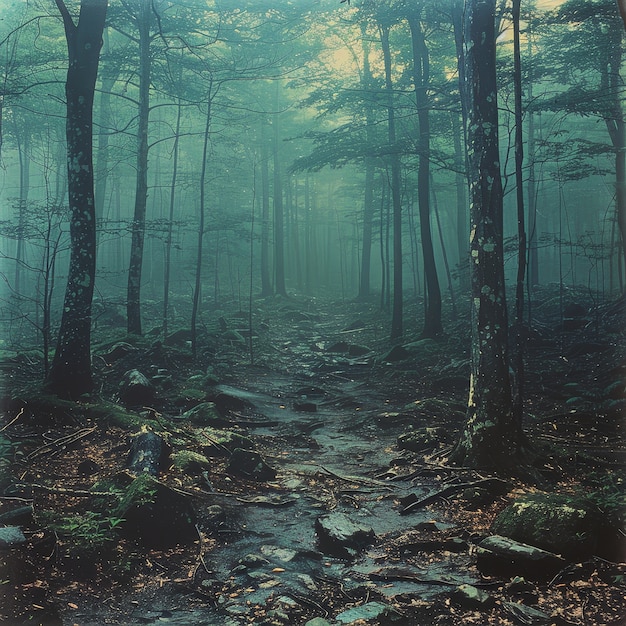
(312, 312)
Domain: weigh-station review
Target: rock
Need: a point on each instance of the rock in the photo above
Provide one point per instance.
(234, 337)
(156, 515)
(340, 347)
(11, 536)
(218, 442)
(554, 522)
(190, 462)
(470, 597)
(368, 612)
(249, 464)
(20, 515)
(475, 497)
(527, 614)
(253, 561)
(355, 350)
(118, 351)
(423, 438)
(397, 353)
(339, 535)
(504, 556)
(136, 389)
(205, 414)
(180, 338)
(88, 467)
(317, 621)
(147, 452)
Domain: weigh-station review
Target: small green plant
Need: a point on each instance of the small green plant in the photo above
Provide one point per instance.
(84, 531)
(607, 493)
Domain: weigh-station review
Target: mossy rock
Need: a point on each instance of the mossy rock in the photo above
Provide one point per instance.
(156, 515)
(219, 442)
(190, 462)
(204, 414)
(422, 439)
(557, 523)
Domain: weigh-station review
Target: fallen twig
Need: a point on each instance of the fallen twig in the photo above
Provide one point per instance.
(448, 491)
(61, 443)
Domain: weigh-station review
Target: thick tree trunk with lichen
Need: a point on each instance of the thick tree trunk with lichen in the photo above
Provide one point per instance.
(70, 373)
(491, 437)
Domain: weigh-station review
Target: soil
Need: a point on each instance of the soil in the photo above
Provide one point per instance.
(328, 413)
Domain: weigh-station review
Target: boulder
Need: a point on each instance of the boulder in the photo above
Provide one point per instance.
(156, 515)
(190, 462)
(249, 464)
(340, 536)
(136, 389)
(218, 442)
(204, 414)
(503, 556)
(554, 522)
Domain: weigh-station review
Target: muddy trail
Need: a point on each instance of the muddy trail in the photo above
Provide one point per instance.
(312, 462)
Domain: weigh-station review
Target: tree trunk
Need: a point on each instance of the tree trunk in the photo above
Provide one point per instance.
(396, 314)
(421, 71)
(368, 192)
(611, 84)
(518, 364)
(266, 283)
(491, 437)
(170, 223)
(195, 304)
(70, 372)
(133, 297)
(279, 225)
(102, 158)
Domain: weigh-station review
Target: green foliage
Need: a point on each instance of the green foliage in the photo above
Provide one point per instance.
(90, 531)
(607, 493)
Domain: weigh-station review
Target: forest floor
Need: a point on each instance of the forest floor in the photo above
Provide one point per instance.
(345, 426)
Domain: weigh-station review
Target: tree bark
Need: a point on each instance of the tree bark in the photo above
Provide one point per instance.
(432, 316)
(133, 293)
(491, 437)
(396, 314)
(279, 224)
(70, 372)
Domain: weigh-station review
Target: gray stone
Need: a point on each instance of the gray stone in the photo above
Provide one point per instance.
(317, 621)
(369, 612)
(504, 556)
(11, 536)
(471, 597)
(205, 414)
(136, 389)
(339, 535)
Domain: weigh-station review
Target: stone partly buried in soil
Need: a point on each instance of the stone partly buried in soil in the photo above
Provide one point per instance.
(557, 523)
(155, 514)
(249, 464)
(369, 612)
(340, 536)
(504, 556)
